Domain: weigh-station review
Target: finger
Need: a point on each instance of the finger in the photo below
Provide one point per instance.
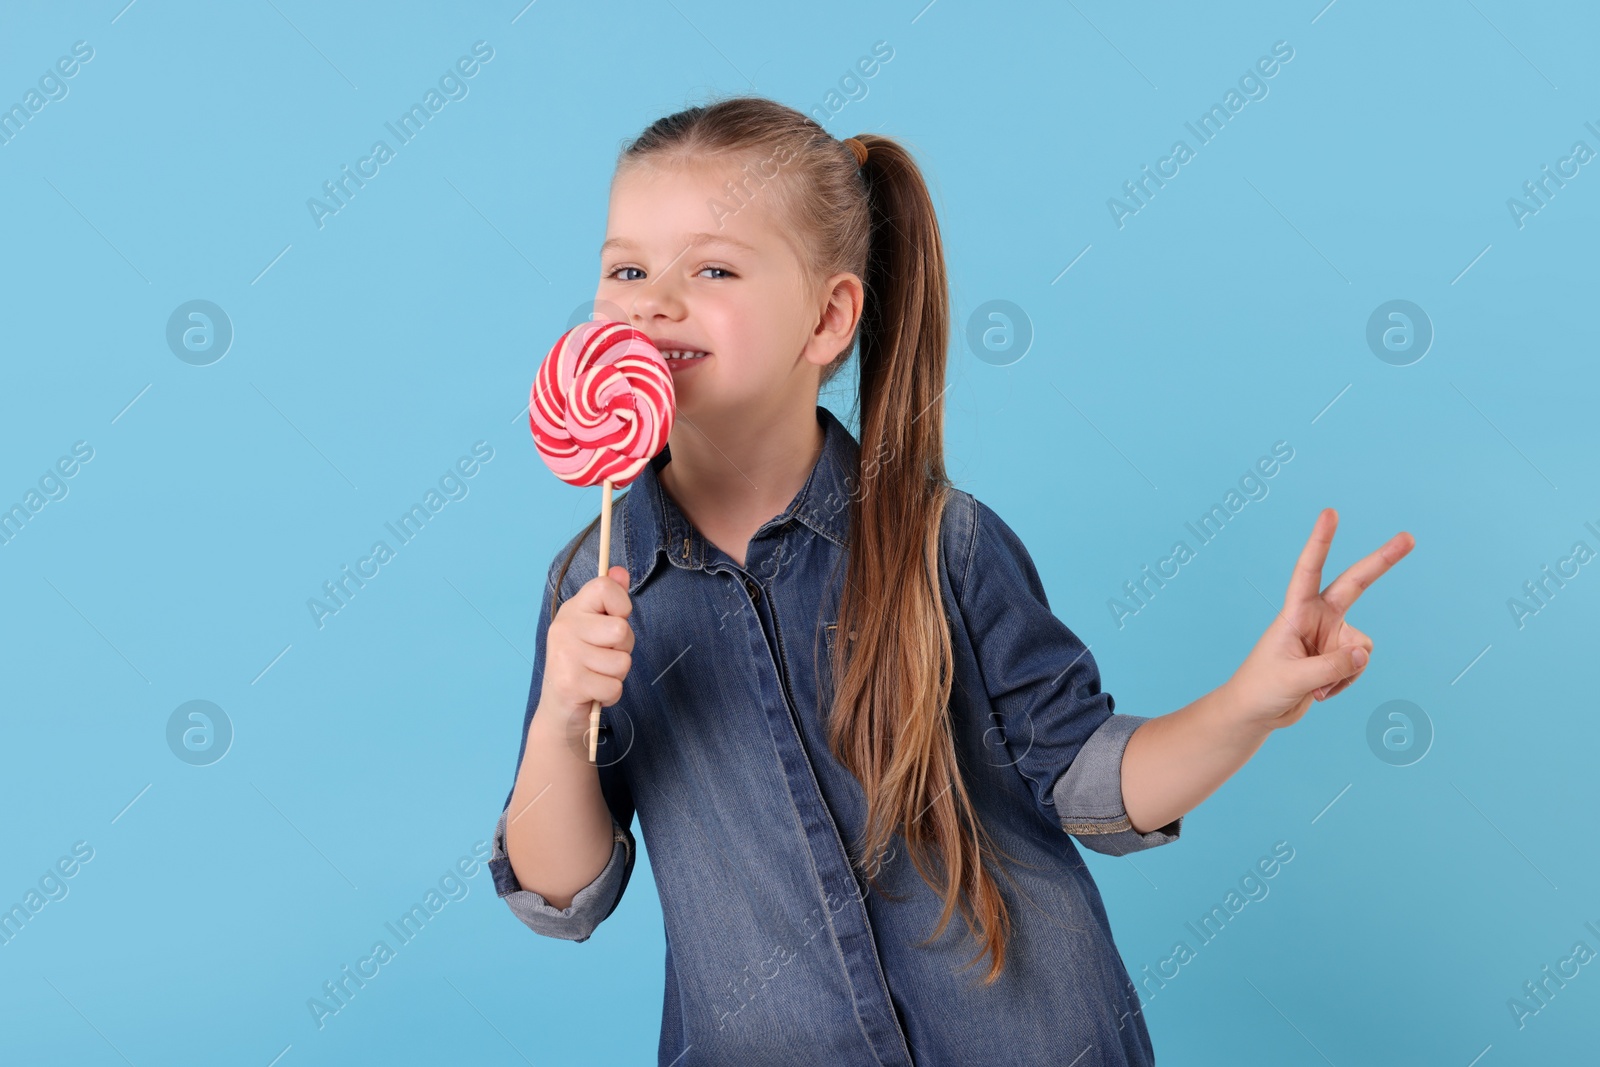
(1342, 686)
(1318, 675)
(1347, 636)
(1343, 590)
(604, 631)
(1307, 576)
(606, 596)
(605, 688)
(606, 662)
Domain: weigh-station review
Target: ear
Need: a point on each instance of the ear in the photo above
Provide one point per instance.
(840, 300)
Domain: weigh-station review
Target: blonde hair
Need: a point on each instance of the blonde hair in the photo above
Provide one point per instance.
(893, 660)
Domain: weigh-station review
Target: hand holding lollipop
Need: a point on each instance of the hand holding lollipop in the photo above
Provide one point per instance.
(601, 408)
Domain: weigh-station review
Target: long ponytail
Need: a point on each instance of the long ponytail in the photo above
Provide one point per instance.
(890, 723)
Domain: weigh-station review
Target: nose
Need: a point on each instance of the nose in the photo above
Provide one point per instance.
(658, 298)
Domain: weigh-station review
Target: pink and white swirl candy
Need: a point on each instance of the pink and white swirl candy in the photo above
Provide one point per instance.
(602, 404)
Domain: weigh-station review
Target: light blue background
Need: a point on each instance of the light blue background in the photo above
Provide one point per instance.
(370, 354)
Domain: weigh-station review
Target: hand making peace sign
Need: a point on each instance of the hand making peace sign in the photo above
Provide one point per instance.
(1310, 651)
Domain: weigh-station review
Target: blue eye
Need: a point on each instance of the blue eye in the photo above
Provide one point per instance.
(724, 270)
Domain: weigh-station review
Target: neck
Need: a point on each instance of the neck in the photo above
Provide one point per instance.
(731, 477)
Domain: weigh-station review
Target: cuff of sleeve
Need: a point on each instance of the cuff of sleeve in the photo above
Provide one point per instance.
(591, 904)
(1088, 796)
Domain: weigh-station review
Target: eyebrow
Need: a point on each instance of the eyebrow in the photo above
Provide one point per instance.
(695, 240)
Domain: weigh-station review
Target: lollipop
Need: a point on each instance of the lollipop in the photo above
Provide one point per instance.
(600, 409)
(602, 405)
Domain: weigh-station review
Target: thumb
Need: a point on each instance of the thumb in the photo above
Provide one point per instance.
(618, 574)
(1316, 673)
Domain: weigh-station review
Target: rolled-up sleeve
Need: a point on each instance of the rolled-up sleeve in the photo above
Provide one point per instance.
(1059, 727)
(1088, 796)
(592, 904)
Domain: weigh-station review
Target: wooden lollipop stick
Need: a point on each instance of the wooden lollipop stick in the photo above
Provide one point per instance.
(605, 566)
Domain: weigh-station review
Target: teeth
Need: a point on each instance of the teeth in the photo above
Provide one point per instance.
(684, 355)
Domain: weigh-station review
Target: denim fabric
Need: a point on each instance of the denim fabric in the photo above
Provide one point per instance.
(776, 951)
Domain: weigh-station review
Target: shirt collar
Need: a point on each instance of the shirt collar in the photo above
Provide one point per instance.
(654, 527)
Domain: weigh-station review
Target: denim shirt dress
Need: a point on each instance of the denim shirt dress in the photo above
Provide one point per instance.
(777, 951)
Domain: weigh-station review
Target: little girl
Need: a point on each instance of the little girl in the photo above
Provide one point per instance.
(836, 696)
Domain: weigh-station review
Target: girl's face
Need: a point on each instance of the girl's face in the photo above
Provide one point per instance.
(686, 264)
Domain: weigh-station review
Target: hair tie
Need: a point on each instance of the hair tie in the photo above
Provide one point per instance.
(858, 149)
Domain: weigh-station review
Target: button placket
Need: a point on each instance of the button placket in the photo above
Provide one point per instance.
(849, 921)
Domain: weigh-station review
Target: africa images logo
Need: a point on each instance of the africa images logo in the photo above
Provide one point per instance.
(453, 485)
(452, 86)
